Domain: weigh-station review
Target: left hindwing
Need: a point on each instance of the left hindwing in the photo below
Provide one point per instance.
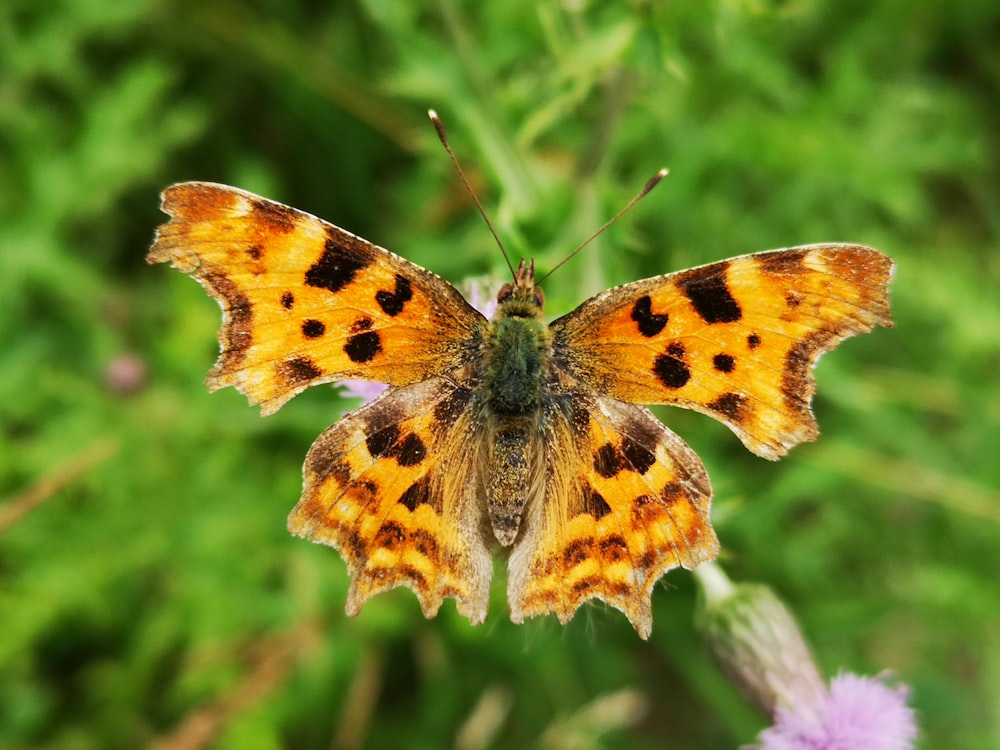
(392, 486)
(735, 340)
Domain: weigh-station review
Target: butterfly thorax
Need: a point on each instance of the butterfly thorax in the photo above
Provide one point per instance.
(516, 364)
(517, 348)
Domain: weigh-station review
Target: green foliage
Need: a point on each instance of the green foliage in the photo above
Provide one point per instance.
(148, 589)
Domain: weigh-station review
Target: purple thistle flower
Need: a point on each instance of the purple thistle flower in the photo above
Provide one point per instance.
(367, 390)
(859, 713)
(486, 306)
(760, 647)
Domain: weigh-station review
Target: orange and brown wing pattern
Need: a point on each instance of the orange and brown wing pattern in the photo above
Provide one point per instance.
(631, 504)
(305, 302)
(736, 340)
(392, 487)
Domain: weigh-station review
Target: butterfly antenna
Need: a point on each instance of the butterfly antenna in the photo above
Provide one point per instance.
(439, 127)
(650, 184)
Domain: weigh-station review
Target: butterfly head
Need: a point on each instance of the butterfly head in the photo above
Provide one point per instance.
(522, 298)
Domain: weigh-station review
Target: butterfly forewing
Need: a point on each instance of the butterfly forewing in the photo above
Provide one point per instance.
(305, 302)
(736, 340)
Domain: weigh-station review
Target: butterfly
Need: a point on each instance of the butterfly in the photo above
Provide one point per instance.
(512, 433)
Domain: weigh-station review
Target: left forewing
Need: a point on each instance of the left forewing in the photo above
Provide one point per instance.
(305, 302)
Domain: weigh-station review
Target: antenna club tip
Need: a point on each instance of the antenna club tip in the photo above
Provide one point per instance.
(653, 182)
(439, 127)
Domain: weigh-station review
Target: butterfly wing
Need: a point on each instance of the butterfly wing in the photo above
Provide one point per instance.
(305, 302)
(392, 487)
(625, 500)
(736, 340)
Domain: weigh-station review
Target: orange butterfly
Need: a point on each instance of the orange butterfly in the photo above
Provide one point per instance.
(510, 431)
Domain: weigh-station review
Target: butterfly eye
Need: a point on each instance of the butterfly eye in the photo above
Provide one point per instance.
(505, 292)
(539, 298)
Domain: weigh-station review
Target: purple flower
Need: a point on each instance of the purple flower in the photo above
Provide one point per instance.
(760, 647)
(367, 391)
(486, 306)
(858, 713)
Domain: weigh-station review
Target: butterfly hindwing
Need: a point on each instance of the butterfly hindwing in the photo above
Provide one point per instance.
(736, 340)
(625, 500)
(392, 486)
(305, 302)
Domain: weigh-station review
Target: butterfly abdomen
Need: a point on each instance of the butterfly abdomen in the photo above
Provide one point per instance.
(507, 479)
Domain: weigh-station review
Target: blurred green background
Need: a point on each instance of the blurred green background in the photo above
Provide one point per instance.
(149, 593)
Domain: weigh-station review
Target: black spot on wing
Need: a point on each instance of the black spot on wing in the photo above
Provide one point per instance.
(389, 535)
(255, 254)
(238, 337)
(782, 261)
(650, 324)
(362, 347)
(613, 548)
(277, 217)
(410, 451)
(594, 503)
(753, 341)
(425, 544)
(607, 461)
(337, 266)
(297, 370)
(288, 300)
(723, 362)
(416, 494)
(577, 551)
(709, 295)
(364, 323)
(671, 371)
(671, 493)
(365, 491)
(640, 457)
(313, 329)
(357, 550)
(731, 405)
(392, 303)
(379, 443)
